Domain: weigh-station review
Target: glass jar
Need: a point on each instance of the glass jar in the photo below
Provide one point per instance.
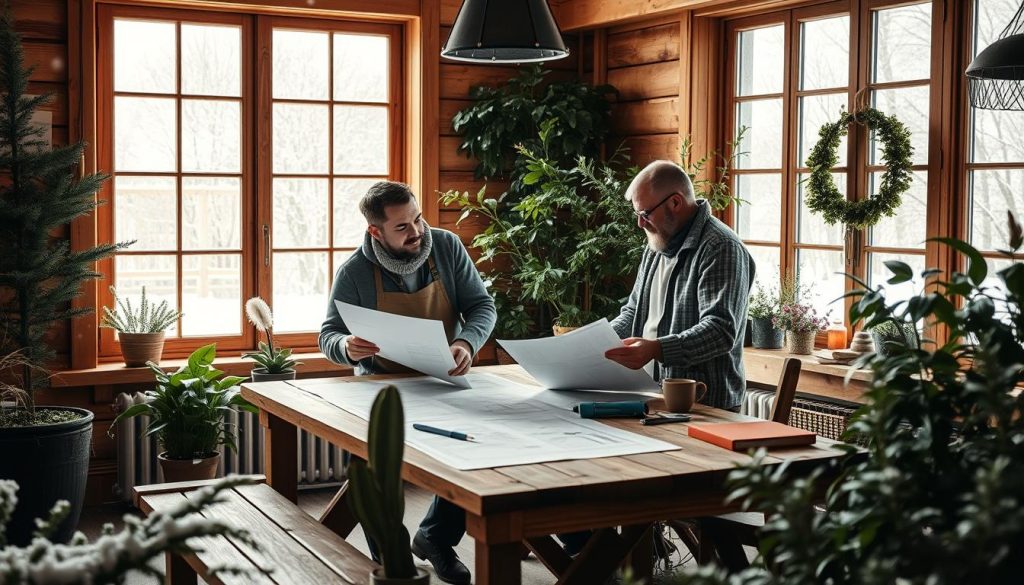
(836, 333)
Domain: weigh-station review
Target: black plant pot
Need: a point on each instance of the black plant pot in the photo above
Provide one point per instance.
(50, 463)
(261, 375)
(765, 335)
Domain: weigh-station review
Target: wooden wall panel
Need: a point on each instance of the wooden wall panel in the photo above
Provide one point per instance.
(41, 19)
(646, 81)
(450, 107)
(457, 78)
(650, 45)
(657, 116)
(649, 147)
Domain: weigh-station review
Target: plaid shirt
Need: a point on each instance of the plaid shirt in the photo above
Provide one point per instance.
(701, 332)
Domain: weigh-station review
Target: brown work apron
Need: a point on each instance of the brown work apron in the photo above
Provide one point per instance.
(430, 302)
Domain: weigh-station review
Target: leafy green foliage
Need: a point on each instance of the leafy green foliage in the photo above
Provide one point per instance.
(39, 274)
(376, 493)
(144, 318)
(275, 360)
(186, 409)
(717, 191)
(763, 304)
(571, 241)
(939, 497)
(505, 117)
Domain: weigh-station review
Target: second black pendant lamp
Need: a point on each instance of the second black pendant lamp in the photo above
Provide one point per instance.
(996, 76)
(504, 31)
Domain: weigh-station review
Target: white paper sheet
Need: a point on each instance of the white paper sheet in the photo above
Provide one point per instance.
(576, 361)
(513, 424)
(419, 344)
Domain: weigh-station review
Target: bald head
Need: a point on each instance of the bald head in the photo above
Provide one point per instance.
(662, 197)
(663, 176)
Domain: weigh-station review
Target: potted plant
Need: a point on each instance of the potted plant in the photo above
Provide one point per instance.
(763, 308)
(46, 447)
(801, 323)
(570, 241)
(141, 329)
(186, 413)
(939, 496)
(114, 555)
(376, 494)
(890, 336)
(276, 362)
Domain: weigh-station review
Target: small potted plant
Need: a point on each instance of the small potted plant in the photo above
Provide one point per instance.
(141, 329)
(801, 323)
(376, 494)
(276, 362)
(186, 413)
(888, 335)
(762, 309)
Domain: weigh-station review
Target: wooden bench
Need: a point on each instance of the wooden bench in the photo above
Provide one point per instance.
(297, 547)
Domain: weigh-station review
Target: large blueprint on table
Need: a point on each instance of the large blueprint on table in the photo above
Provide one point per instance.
(513, 424)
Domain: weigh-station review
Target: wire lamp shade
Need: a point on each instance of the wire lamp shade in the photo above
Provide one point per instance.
(996, 76)
(504, 31)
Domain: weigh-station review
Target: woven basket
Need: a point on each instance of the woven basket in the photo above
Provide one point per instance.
(826, 419)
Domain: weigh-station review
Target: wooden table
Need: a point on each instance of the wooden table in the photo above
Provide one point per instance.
(507, 507)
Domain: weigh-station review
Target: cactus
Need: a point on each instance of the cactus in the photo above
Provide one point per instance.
(376, 496)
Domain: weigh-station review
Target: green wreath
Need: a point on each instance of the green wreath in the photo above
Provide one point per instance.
(825, 198)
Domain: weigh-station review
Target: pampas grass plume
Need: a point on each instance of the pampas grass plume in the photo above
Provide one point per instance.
(259, 314)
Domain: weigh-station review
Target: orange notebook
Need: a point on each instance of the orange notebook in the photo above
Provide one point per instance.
(741, 436)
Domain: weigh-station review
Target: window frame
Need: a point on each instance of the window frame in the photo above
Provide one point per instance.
(256, 153)
(856, 247)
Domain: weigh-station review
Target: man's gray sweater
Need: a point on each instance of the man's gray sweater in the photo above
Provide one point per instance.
(354, 284)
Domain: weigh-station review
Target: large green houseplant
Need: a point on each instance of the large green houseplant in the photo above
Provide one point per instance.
(939, 499)
(571, 240)
(45, 447)
(186, 413)
(376, 493)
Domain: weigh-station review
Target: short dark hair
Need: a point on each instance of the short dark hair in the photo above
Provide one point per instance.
(380, 195)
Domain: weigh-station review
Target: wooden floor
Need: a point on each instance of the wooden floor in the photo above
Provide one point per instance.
(314, 502)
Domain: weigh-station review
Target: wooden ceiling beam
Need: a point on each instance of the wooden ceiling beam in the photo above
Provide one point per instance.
(585, 14)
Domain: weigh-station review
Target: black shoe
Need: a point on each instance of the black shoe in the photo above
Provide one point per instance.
(446, 563)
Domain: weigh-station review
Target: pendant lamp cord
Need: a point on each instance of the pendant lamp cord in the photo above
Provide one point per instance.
(1016, 25)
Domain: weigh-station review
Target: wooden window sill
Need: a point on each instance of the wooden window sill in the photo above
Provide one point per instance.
(313, 364)
(764, 366)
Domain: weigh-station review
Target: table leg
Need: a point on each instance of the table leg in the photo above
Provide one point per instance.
(179, 572)
(281, 456)
(338, 516)
(641, 558)
(498, 564)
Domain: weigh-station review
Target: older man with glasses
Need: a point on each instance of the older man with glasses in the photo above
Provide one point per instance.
(686, 315)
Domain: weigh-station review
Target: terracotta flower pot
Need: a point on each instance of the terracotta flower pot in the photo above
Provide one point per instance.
(189, 469)
(422, 578)
(800, 342)
(559, 330)
(139, 348)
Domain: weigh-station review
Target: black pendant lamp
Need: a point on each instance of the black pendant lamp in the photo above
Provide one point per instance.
(504, 31)
(996, 76)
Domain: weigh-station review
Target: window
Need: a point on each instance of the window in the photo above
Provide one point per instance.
(995, 152)
(238, 175)
(794, 71)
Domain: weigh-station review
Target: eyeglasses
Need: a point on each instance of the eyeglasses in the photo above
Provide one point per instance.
(645, 214)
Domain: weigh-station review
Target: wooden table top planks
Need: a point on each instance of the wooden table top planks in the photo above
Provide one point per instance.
(479, 492)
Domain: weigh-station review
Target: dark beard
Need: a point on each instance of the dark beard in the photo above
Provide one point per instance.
(401, 254)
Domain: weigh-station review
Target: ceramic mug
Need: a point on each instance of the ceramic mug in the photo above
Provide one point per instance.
(680, 394)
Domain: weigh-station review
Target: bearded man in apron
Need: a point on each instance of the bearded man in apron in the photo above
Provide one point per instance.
(408, 268)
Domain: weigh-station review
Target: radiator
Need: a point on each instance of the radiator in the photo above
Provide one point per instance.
(319, 462)
(827, 419)
(758, 403)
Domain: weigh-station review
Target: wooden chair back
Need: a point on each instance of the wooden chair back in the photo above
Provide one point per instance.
(786, 390)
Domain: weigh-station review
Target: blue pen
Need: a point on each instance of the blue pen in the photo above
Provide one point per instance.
(442, 432)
